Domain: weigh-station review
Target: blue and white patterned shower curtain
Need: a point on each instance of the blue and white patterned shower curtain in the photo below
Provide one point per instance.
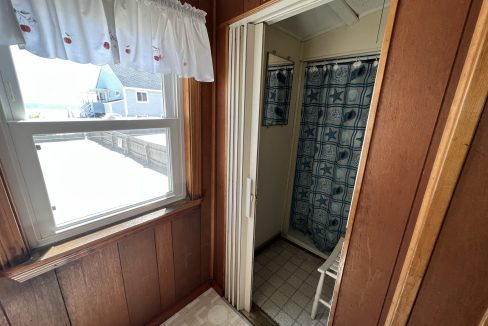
(277, 94)
(334, 116)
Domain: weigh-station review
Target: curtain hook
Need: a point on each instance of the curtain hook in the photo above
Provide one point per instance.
(375, 63)
(336, 66)
(357, 64)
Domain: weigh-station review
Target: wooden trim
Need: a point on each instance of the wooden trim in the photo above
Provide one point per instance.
(13, 247)
(484, 319)
(364, 155)
(179, 305)
(192, 116)
(460, 127)
(46, 259)
(221, 157)
(248, 13)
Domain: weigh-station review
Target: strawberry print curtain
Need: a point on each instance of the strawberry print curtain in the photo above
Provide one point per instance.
(157, 36)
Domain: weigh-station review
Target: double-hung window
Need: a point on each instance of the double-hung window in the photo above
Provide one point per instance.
(142, 97)
(74, 148)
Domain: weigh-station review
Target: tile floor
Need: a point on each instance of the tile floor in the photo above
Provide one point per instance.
(207, 309)
(285, 280)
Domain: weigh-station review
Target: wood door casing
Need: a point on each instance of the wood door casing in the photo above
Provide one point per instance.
(446, 106)
(416, 78)
(456, 275)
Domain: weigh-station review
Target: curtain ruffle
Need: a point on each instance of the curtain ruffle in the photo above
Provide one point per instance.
(157, 36)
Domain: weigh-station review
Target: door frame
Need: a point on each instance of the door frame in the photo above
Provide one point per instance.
(464, 115)
(240, 208)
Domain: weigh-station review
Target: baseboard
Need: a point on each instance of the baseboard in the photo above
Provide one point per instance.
(217, 287)
(266, 244)
(304, 246)
(165, 315)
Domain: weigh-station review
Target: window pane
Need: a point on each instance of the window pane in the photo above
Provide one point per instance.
(93, 173)
(54, 89)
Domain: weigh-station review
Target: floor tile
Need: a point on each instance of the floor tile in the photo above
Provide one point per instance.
(294, 281)
(272, 266)
(301, 299)
(307, 289)
(279, 298)
(257, 281)
(265, 273)
(302, 274)
(259, 298)
(268, 289)
(313, 279)
(280, 260)
(270, 308)
(283, 319)
(292, 309)
(290, 267)
(283, 273)
(287, 290)
(276, 281)
(305, 320)
(284, 286)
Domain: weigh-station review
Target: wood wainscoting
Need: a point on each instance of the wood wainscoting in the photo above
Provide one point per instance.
(127, 282)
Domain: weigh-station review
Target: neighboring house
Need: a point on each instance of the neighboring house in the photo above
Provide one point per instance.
(126, 92)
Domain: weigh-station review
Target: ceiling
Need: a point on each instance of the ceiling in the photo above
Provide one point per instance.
(328, 17)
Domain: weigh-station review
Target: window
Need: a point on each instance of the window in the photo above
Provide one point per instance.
(78, 154)
(142, 97)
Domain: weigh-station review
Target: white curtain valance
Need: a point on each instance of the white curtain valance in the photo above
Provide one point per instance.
(158, 36)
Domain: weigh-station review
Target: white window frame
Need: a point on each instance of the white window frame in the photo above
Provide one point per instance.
(21, 164)
(142, 93)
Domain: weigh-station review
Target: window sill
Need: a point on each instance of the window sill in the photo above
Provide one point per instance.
(46, 259)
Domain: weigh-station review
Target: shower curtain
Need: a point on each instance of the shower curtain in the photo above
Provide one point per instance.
(334, 116)
(277, 94)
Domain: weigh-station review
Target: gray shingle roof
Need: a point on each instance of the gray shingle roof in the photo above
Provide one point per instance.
(139, 79)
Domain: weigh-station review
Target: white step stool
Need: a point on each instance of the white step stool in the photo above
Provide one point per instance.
(330, 267)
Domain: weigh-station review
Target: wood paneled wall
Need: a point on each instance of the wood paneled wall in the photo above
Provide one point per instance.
(229, 9)
(221, 158)
(455, 279)
(426, 40)
(12, 246)
(128, 282)
(207, 139)
(446, 105)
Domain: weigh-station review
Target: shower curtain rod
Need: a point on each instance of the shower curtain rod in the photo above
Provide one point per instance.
(351, 58)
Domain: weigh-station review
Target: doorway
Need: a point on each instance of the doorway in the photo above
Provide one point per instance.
(281, 70)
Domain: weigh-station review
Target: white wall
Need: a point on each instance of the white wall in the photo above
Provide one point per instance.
(274, 148)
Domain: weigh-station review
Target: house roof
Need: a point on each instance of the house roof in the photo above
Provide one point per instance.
(138, 79)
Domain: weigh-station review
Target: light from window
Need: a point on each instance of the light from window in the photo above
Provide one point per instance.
(126, 167)
(89, 155)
